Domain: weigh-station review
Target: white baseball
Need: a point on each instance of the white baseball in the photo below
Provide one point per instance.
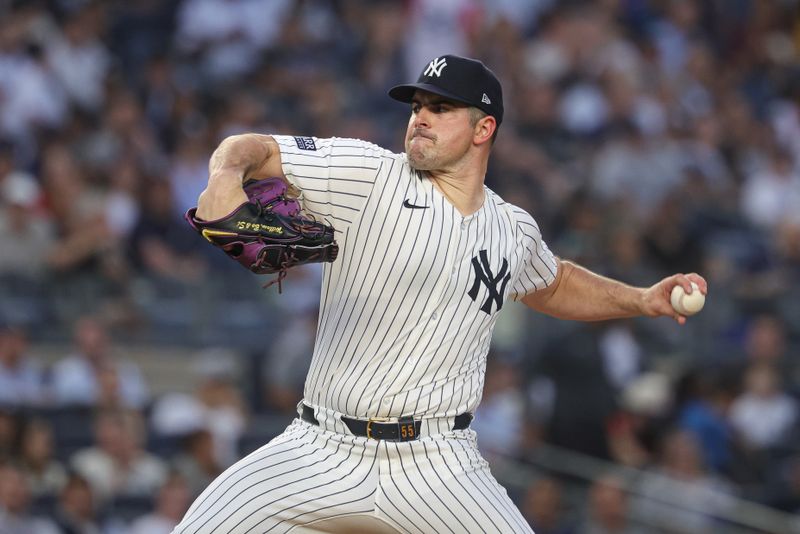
(687, 303)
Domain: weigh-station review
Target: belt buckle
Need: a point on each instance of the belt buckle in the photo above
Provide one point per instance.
(374, 420)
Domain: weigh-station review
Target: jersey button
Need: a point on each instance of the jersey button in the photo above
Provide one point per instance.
(387, 402)
(434, 316)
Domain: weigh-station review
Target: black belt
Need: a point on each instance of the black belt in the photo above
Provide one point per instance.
(404, 429)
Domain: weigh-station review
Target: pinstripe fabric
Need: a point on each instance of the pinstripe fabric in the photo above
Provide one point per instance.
(399, 333)
(442, 484)
(301, 476)
(437, 484)
(406, 316)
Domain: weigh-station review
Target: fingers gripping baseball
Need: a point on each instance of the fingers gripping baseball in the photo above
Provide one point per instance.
(676, 296)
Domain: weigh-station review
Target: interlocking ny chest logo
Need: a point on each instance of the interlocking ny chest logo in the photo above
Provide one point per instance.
(435, 67)
(484, 275)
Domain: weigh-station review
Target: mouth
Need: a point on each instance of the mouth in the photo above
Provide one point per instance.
(420, 138)
(419, 134)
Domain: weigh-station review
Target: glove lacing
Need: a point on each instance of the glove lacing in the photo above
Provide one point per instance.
(288, 256)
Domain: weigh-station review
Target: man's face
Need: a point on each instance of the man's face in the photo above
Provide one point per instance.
(14, 492)
(439, 132)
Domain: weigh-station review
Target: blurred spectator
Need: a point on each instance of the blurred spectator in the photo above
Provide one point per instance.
(766, 342)
(302, 289)
(548, 58)
(225, 409)
(227, 35)
(82, 256)
(584, 397)
(771, 195)
(93, 375)
(14, 502)
(216, 406)
(32, 95)
(45, 475)
(763, 414)
(521, 13)
(434, 27)
(672, 34)
(707, 171)
(626, 258)
(23, 228)
(160, 95)
(583, 110)
(79, 59)
(679, 495)
(171, 503)
(21, 377)
(785, 490)
(543, 507)
(10, 431)
(622, 354)
(77, 510)
(669, 238)
(197, 463)
(287, 363)
(383, 62)
(122, 205)
(607, 508)
(188, 173)
(162, 245)
(705, 414)
(139, 31)
(502, 407)
(582, 222)
(177, 415)
(634, 430)
(124, 136)
(117, 465)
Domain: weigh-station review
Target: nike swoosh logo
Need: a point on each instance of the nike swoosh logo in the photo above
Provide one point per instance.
(407, 204)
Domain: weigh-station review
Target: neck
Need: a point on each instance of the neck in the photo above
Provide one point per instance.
(463, 187)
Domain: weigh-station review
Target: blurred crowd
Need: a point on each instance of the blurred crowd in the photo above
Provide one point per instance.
(646, 137)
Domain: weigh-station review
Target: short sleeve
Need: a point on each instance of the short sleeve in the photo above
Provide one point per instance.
(335, 175)
(539, 264)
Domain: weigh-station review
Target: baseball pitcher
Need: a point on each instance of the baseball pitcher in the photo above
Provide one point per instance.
(419, 259)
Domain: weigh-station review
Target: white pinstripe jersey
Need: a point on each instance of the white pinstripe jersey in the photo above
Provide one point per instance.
(407, 309)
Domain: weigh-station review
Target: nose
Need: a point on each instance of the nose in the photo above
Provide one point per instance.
(422, 118)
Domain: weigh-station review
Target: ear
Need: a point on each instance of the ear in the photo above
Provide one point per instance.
(484, 130)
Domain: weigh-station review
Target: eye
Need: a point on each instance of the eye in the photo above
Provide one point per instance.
(415, 107)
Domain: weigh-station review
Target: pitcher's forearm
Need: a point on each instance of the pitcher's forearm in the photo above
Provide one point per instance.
(237, 159)
(223, 194)
(582, 295)
(579, 294)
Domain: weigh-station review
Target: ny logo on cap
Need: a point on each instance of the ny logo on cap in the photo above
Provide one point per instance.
(435, 67)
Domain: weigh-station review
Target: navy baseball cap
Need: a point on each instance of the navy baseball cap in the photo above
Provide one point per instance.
(457, 78)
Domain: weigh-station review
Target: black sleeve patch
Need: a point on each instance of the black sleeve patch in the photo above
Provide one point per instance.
(305, 143)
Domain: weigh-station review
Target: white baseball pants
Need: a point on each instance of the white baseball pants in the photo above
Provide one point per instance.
(310, 479)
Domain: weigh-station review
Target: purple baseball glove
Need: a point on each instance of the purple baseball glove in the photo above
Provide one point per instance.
(267, 234)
